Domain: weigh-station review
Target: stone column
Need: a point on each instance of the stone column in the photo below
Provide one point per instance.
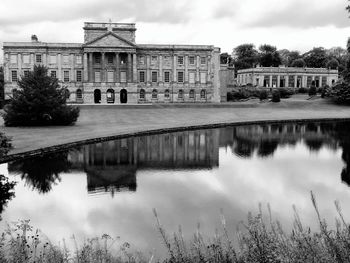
(7, 67)
(91, 73)
(174, 68)
(86, 70)
(59, 62)
(208, 69)
(148, 69)
(278, 81)
(295, 81)
(44, 60)
(186, 69)
(134, 67)
(129, 74)
(19, 62)
(287, 81)
(32, 60)
(160, 69)
(72, 76)
(270, 84)
(197, 70)
(103, 67)
(117, 64)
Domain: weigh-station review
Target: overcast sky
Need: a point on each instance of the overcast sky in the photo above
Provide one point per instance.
(291, 24)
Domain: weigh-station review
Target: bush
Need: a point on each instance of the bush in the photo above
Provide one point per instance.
(312, 91)
(303, 90)
(263, 95)
(39, 101)
(285, 93)
(239, 95)
(5, 145)
(276, 97)
(340, 93)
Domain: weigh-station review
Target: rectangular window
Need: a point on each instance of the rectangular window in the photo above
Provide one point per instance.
(13, 59)
(79, 59)
(97, 59)
(180, 76)
(26, 73)
(141, 76)
(192, 77)
(203, 77)
(110, 59)
(53, 59)
(110, 76)
(191, 58)
(79, 78)
(26, 59)
(38, 58)
(14, 75)
(53, 74)
(154, 60)
(66, 76)
(154, 76)
(167, 76)
(203, 60)
(65, 59)
(180, 60)
(97, 76)
(122, 76)
(142, 60)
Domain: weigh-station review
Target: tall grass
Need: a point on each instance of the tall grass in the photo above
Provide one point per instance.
(259, 239)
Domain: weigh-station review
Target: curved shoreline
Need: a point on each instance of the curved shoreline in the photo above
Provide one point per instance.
(68, 146)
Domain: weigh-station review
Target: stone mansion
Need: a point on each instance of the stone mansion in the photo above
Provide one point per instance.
(109, 67)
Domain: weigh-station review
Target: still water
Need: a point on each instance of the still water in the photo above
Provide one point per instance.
(112, 187)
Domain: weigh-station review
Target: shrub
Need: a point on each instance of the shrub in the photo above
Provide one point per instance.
(39, 101)
(5, 145)
(285, 93)
(263, 95)
(303, 90)
(340, 93)
(239, 95)
(312, 90)
(276, 97)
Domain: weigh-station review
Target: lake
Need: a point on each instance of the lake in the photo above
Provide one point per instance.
(112, 187)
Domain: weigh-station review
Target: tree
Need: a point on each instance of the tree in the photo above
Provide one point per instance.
(316, 58)
(332, 63)
(225, 58)
(5, 145)
(288, 57)
(39, 101)
(269, 56)
(298, 63)
(245, 56)
(2, 96)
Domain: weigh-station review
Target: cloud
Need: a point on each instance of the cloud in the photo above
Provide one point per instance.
(301, 14)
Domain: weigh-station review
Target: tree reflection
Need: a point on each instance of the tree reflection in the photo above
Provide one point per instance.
(267, 148)
(314, 144)
(42, 172)
(6, 192)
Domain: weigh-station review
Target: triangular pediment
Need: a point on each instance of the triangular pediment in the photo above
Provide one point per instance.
(109, 40)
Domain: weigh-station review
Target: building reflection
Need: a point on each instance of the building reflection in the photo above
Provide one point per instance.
(112, 166)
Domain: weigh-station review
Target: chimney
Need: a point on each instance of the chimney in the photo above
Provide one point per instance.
(34, 38)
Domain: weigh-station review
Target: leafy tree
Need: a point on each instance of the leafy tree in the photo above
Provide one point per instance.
(5, 145)
(269, 56)
(332, 63)
(225, 58)
(316, 58)
(39, 101)
(245, 56)
(2, 96)
(298, 63)
(6, 192)
(288, 57)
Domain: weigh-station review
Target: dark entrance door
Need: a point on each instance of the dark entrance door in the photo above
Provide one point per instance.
(97, 96)
(123, 96)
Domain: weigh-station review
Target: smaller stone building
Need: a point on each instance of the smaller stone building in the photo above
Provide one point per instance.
(280, 77)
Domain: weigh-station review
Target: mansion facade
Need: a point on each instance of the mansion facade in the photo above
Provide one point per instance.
(288, 77)
(109, 67)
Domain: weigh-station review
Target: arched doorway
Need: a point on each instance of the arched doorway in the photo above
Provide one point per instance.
(123, 96)
(97, 96)
(110, 96)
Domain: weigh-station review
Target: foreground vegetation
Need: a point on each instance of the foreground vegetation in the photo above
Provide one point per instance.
(259, 239)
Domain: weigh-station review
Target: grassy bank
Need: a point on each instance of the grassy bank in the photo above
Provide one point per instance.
(259, 239)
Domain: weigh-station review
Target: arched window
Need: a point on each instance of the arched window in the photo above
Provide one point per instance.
(166, 94)
(203, 94)
(154, 94)
(79, 94)
(191, 94)
(110, 96)
(181, 94)
(67, 93)
(142, 94)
